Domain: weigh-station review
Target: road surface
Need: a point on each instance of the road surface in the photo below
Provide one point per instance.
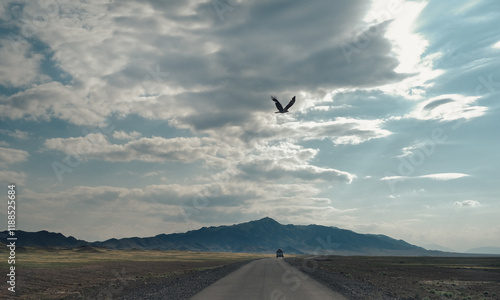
(269, 278)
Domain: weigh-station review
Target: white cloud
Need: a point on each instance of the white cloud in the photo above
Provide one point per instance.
(407, 151)
(17, 134)
(467, 203)
(149, 174)
(154, 149)
(444, 176)
(159, 64)
(10, 156)
(496, 45)
(185, 205)
(11, 177)
(341, 130)
(448, 108)
(408, 46)
(54, 100)
(19, 66)
(437, 176)
(177, 63)
(122, 135)
(278, 169)
(285, 161)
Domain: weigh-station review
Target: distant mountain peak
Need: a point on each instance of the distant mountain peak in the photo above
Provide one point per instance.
(267, 220)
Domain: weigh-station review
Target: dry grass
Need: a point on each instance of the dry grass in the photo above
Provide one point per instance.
(60, 273)
(61, 258)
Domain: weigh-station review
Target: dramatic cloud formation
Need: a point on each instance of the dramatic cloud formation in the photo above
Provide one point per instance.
(160, 112)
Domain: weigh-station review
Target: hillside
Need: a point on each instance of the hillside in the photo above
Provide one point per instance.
(43, 239)
(267, 235)
(261, 236)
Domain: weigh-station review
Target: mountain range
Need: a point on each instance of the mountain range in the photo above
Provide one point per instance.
(260, 236)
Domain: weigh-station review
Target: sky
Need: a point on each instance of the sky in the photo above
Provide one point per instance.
(135, 118)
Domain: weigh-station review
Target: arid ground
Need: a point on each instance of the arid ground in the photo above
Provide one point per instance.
(90, 273)
(406, 277)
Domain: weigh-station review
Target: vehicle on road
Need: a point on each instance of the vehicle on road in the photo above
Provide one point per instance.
(279, 253)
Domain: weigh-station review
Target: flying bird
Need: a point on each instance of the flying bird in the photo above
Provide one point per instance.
(280, 108)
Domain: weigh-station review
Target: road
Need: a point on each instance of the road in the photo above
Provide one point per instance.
(269, 278)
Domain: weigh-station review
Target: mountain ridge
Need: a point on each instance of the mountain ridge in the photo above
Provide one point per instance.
(258, 236)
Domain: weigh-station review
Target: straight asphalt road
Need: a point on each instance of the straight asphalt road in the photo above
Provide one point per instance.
(269, 278)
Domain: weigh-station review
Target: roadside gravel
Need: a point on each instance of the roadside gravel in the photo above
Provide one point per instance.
(179, 287)
(338, 282)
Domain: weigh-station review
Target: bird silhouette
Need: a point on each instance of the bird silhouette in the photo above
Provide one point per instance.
(280, 108)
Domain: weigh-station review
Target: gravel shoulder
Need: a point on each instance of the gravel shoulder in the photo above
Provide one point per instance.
(406, 278)
(71, 274)
(181, 287)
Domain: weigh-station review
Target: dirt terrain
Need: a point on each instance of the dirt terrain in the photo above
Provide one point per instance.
(406, 277)
(89, 273)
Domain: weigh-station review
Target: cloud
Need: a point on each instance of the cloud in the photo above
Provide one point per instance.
(149, 174)
(448, 108)
(196, 75)
(53, 100)
(163, 205)
(11, 177)
(467, 203)
(437, 176)
(184, 85)
(444, 176)
(9, 156)
(435, 103)
(341, 130)
(19, 65)
(17, 134)
(283, 161)
(154, 149)
(281, 169)
(122, 135)
(425, 146)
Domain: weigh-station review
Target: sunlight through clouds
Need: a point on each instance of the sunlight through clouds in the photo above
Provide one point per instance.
(408, 46)
(152, 108)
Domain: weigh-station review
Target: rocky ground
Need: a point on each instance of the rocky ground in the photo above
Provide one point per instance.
(181, 286)
(121, 280)
(369, 278)
(374, 278)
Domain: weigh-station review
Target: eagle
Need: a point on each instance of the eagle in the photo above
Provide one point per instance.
(280, 108)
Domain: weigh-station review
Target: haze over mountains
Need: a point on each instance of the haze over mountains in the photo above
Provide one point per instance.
(261, 236)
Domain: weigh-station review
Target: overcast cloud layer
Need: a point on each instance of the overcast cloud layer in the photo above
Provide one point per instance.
(159, 112)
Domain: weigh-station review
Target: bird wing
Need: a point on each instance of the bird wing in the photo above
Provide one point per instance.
(278, 104)
(290, 104)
